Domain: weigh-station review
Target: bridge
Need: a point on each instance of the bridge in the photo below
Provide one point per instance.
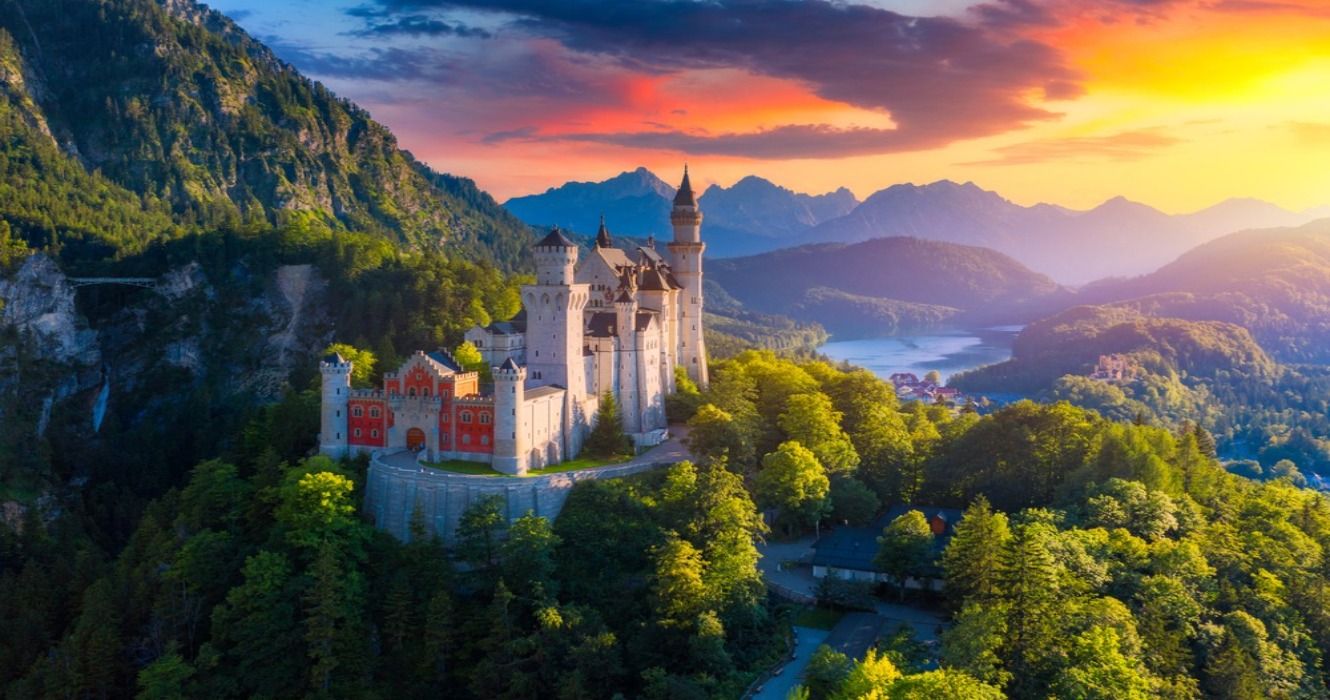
(145, 282)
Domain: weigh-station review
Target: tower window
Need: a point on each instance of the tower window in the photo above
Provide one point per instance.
(357, 411)
(466, 416)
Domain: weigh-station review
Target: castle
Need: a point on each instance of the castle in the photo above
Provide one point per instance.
(619, 322)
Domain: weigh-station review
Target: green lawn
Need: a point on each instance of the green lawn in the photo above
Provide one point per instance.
(579, 463)
(458, 466)
(817, 618)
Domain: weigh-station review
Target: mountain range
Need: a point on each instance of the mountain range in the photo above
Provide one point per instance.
(752, 216)
(1118, 238)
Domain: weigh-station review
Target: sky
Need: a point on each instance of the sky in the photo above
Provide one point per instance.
(1175, 103)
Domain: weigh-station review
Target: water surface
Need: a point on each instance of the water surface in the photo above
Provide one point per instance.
(947, 351)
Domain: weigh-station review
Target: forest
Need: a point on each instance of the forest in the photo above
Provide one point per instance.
(1096, 559)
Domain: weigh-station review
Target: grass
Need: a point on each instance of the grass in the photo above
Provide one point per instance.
(579, 463)
(817, 618)
(458, 466)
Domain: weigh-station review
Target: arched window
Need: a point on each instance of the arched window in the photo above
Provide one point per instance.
(466, 439)
(374, 433)
(411, 392)
(374, 412)
(357, 432)
(424, 391)
(357, 411)
(484, 439)
(484, 419)
(466, 416)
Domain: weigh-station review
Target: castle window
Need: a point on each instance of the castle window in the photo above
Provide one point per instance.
(424, 392)
(484, 439)
(374, 433)
(373, 413)
(466, 416)
(357, 411)
(443, 418)
(484, 419)
(466, 439)
(339, 413)
(411, 392)
(357, 432)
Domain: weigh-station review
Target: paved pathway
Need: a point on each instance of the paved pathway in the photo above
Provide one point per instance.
(798, 582)
(778, 687)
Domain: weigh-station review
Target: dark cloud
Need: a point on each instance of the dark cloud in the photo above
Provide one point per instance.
(1124, 145)
(418, 25)
(940, 79)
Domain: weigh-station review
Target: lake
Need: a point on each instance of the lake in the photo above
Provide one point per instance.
(947, 351)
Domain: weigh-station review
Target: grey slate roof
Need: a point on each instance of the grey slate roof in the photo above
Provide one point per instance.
(854, 548)
(555, 239)
(603, 324)
(544, 391)
(684, 197)
(509, 366)
(445, 358)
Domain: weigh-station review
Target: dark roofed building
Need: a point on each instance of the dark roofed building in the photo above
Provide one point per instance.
(848, 552)
(555, 239)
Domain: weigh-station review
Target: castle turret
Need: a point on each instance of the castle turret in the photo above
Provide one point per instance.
(554, 321)
(336, 373)
(510, 434)
(686, 264)
(629, 394)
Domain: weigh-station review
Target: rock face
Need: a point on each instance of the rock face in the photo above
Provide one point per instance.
(38, 300)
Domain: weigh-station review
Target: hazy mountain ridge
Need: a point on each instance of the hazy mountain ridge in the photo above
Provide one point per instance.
(1117, 238)
(917, 282)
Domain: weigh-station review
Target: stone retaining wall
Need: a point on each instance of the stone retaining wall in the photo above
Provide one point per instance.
(394, 492)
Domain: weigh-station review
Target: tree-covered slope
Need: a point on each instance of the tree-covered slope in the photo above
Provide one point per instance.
(1275, 282)
(189, 116)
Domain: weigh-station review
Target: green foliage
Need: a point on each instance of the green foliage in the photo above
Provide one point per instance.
(607, 438)
(362, 363)
(972, 559)
(904, 548)
(852, 502)
(793, 481)
(468, 355)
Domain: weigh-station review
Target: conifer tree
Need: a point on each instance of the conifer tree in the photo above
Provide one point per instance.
(972, 560)
(607, 438)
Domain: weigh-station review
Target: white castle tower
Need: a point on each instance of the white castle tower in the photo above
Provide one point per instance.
(686, 263)
(554, 330)
(510, 431)
(336, 394)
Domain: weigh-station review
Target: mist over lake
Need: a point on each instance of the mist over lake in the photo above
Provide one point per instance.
(949, 351)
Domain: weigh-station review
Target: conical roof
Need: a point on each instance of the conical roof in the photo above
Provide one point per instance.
(555, 239)
(684, 197)
(603, 235)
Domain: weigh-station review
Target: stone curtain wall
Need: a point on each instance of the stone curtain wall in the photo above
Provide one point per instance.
(397, 486)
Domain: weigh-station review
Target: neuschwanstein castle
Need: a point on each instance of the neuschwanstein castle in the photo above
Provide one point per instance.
(619, 322)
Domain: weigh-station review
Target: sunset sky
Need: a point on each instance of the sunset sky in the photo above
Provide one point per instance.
(1175, 103)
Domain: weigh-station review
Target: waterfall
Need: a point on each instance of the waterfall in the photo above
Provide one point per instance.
(99, 408)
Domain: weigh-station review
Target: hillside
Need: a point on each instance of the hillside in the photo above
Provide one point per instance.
(1072, 342)
(752, 216)
(888, 284)
(1117, 238)
(186, 121)
(1275, 283)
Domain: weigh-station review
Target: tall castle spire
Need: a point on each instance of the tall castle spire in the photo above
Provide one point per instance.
(603, 235)
(686, 252)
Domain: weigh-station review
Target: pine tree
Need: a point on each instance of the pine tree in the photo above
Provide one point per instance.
(1028, 582)
(607, 438)
(972, 560)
